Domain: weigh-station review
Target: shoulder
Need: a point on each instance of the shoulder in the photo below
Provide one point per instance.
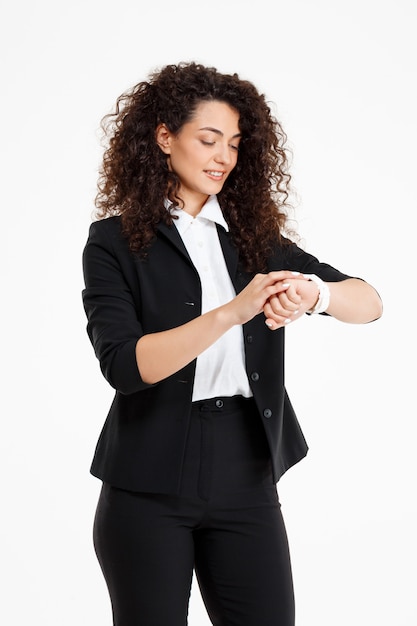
(105, 240)
(108, 227)
(107, 233)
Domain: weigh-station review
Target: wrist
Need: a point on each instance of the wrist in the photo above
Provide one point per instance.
(323, 299)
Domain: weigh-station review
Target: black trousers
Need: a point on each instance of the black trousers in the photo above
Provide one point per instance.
(226, 524)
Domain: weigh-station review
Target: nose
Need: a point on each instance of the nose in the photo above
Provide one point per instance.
(223, 154)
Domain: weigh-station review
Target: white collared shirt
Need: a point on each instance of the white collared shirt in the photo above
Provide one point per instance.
(220, 370)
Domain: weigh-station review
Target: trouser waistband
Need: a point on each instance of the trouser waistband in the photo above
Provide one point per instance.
(220, 403)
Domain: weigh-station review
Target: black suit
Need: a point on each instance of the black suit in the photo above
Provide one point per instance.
(213, 506)
(142, 443)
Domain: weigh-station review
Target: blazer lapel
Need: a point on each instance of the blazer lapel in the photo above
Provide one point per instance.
(239, 278)
(172, 234)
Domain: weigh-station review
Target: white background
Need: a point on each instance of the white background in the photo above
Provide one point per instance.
(343, 78)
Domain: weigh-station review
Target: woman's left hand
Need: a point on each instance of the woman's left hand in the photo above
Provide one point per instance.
(351, 300)
(288, 306)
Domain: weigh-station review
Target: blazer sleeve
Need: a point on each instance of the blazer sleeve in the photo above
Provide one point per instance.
(113, 324)
(292, 257)
(298, 259)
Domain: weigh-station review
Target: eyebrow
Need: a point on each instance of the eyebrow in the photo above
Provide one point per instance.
(219, 132)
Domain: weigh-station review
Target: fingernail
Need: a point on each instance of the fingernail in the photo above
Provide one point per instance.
(287, 321)
(268, 324)
(285, 284)
(295, 273)
(295, 312)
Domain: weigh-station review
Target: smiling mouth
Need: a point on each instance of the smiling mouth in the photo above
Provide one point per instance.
(214, 174)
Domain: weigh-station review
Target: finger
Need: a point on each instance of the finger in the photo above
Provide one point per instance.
(279, 287)
(276, 321)
(275, 312)
(273, 325)
(273, 290)
(291, 295)
(281, 304)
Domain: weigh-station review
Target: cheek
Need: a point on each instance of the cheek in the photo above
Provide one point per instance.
(178, 161)
(185, 158)
(233, 162)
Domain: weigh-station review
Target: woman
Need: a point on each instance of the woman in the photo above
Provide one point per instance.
(189, 283)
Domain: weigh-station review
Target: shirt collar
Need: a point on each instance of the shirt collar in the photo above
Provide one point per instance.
(211, 211)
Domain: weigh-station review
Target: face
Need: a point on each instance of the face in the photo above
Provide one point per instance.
(204, 152)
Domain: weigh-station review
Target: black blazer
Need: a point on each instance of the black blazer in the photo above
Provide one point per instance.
(142, 443)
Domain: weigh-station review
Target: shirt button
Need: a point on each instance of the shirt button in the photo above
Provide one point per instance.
(219, 404)
(254, 376)
(249, 338)
(267, 413)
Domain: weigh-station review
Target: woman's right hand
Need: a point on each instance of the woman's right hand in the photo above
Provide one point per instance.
(161, 354)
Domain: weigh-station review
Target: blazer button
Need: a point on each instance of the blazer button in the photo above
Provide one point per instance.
(249, 338)
(267, 413)
(219, 404)
(254, 376)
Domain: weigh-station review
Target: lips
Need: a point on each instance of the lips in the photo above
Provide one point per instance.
(215, 174)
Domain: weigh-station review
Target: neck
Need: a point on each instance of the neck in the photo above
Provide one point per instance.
(193, 205)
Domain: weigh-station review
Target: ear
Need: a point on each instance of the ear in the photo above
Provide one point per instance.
(163, 137)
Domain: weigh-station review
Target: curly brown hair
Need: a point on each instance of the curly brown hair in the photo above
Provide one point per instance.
(135, 179)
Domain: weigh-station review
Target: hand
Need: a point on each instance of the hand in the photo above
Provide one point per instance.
(289, 305)
(262, 289)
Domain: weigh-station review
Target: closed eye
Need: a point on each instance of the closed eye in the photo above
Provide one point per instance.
(212, 143)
